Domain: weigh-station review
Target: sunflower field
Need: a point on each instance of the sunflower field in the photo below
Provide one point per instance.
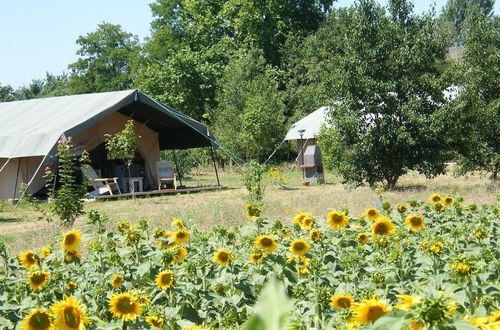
(420, 265)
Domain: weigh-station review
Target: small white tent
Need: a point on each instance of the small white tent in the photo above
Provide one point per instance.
(308, 127)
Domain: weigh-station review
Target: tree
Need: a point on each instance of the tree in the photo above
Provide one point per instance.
(472, 120)
(250, 120)
(455, 13)
(6, 93)
(387, 80)
(108, 59)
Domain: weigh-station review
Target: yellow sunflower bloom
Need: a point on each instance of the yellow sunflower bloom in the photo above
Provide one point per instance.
(124, 306)
(494, 317)
(303, 270)
(448, 200)
(123, 226)
(181, 236)
(436, 247)
(315, 235)
(438, 206)
(462, 268)
(362, 238)
(370, 310)
(165, 279)
(407, 301)
(155, 321)
(38, 279)
(415, 222)
(71, 285)
(178, 224)
(180, 255)
(252, 210)
(38, 319)
(402, 208)
(71, 240)
(72, 255)
(266, 242)
(341, 301)
(45, 252)
(223, 257)
(299, 247)
(307, 222)
(299, 216)
(69, 314)
(257, 258)
(337, 220)
(383, 226)
(434, 198)
(28, 259)
(371, 214)
(117, 281)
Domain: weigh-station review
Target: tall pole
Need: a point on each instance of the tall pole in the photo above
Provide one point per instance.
(177, 166)
(215, 165)
(302, 152)
(17, 177)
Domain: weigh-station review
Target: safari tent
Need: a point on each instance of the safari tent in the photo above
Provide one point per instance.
(31, 129)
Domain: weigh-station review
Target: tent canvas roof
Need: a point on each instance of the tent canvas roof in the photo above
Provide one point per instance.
(33, 127)
(311, 124)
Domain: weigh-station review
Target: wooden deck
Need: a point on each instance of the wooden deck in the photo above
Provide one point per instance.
(162, 192)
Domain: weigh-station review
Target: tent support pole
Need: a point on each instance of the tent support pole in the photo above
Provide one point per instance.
(177, 165)
(215, 165)
(17, 178)
(31, 180)
(4, 165)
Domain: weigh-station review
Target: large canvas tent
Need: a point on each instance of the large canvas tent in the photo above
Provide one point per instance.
(30, 130)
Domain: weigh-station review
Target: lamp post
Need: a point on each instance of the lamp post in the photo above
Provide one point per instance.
(301, 132)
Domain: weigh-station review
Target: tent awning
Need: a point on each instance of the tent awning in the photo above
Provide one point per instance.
(33, 127)
(310, 125)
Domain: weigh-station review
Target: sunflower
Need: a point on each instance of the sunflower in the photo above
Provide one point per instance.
(383, 226)
(180, 255)
(434, 198)
(462, 268)
(303, 270)
(38, 279)
(124, 306)
(402, 208)
(117, 281)
(71, 240)
(266, 242)
(494, 317)
(341, 301)
(69, 314)
(448, 200)
(45, 252)
(71, 285)
(178, 224)
(415, 222)
(253, 211)
(165, 279)
(438, 206)
(123, 226)
(28, 259)
(362, 238)
(223, 257)
(72, 255)
(371, 214)
(299, 216)
(369, 310)
(38, 319)
(407, 301)
(155, 321)
(307, 222)
(181, 236)
(436, 247)
(337, 220)
(315, 235)
(257, 257)
(299, 247)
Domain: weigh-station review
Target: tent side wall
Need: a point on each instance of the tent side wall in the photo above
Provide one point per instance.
(25, 167)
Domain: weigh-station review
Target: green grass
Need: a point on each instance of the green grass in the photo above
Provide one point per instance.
(19, 227)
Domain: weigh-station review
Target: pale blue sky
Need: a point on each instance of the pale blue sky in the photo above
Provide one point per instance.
(39, 36)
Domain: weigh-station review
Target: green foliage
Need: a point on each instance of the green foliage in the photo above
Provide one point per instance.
(253, 180)
(6, 93)
(108, 59)
(472, 120)
(68, 198)
(456, 12)
(387, 86)
(251, 120)
(123, 145)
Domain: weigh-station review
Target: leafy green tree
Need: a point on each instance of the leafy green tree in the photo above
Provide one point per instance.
(6, 93)
(387, 80)
(108, 59)
(250, 120)
(472, 120)
(455, 13)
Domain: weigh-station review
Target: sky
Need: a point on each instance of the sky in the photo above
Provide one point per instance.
(37, 37)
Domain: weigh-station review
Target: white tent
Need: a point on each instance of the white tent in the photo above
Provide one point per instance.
(310, 125)
(30, 130)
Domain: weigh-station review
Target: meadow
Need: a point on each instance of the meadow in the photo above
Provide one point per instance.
(423, 256)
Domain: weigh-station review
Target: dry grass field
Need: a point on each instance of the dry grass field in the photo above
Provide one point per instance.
(19, 227)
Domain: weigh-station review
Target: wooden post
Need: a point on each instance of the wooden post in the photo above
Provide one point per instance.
(215, 165)
(177, 166)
